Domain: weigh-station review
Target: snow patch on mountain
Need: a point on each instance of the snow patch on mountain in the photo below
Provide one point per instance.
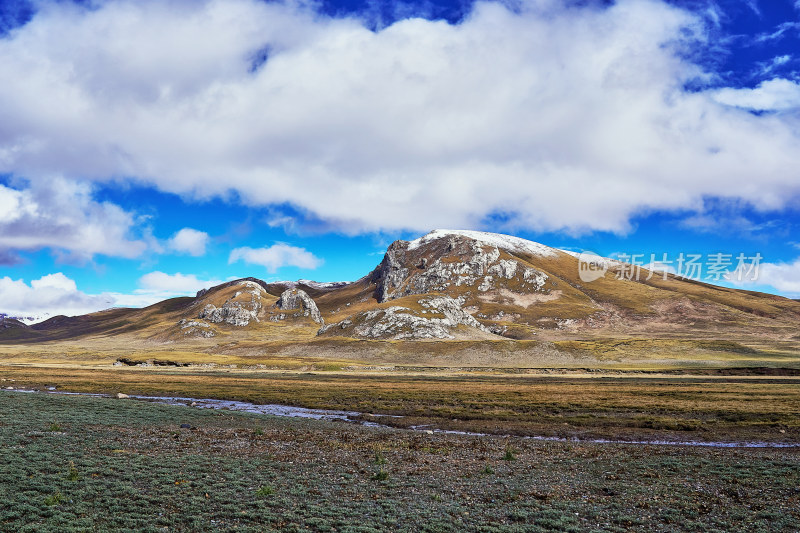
(504, 242)
(29, 320)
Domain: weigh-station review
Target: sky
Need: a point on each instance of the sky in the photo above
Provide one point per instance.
(149, 149)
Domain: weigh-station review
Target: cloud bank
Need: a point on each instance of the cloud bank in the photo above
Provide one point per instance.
(784, 277)
(547, 117)
(174, 283)
(50, 295)
(57, 294)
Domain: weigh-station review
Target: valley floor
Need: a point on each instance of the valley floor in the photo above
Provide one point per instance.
(637, 406)
(72, 463)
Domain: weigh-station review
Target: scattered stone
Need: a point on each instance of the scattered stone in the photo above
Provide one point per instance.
(196, 328)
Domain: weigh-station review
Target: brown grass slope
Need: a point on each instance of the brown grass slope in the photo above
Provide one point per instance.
(652, 317)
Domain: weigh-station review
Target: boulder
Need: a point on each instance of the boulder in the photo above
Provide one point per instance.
(297, 299)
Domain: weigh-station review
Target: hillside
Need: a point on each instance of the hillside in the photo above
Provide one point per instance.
(476, 291)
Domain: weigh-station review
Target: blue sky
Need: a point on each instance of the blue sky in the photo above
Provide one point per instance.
(148, 149)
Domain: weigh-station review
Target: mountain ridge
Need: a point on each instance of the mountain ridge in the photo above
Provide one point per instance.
(447, 285)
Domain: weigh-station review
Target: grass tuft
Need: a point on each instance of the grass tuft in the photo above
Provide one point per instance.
(72, 474)
(54, 499)
(381, 475)
(265, 490)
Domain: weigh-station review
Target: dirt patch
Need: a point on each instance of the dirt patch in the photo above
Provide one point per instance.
(506, 296)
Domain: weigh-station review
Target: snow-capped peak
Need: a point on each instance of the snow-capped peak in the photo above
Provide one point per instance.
(505, 242)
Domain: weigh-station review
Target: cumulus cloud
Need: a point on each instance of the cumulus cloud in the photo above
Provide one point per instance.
(61, 214)
(53, 294)
(275, 256)
(174, 283)
(553, 116)
(189, 241)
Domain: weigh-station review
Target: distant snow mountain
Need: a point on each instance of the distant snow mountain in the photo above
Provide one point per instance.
(29, 319)
(323, 285)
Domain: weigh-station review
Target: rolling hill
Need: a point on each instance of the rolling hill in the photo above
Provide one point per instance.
(481, 292)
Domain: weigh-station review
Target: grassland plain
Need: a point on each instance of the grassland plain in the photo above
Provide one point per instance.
(637, 406)
(98, 464)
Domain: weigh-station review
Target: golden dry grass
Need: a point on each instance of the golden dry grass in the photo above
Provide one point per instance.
(706, 407)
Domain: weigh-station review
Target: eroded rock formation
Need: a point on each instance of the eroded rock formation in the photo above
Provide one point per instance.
(297, 300)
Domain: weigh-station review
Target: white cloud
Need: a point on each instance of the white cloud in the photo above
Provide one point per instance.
(774, 95)
(189, 241)
(55, 281)
(62, 214)
(174, 283)
(783, 277)
(54, 294)
(157, 286)
(556, 117)
(276, 256)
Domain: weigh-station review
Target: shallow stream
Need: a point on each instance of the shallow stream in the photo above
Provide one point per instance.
(354, 417)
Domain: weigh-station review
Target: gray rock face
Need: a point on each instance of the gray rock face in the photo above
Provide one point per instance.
(196, 328)
(480, 266)
(438, 317)
(298, 299)
(238, 310)
(391, 273)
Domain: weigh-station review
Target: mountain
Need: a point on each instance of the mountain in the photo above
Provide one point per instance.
(449, 285)
(29, 319)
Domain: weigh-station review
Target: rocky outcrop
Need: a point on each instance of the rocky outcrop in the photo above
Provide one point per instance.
(447, 262)
(196, 328)
(437, 317)
(391, 273)
(239, 310)
(297, 300)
